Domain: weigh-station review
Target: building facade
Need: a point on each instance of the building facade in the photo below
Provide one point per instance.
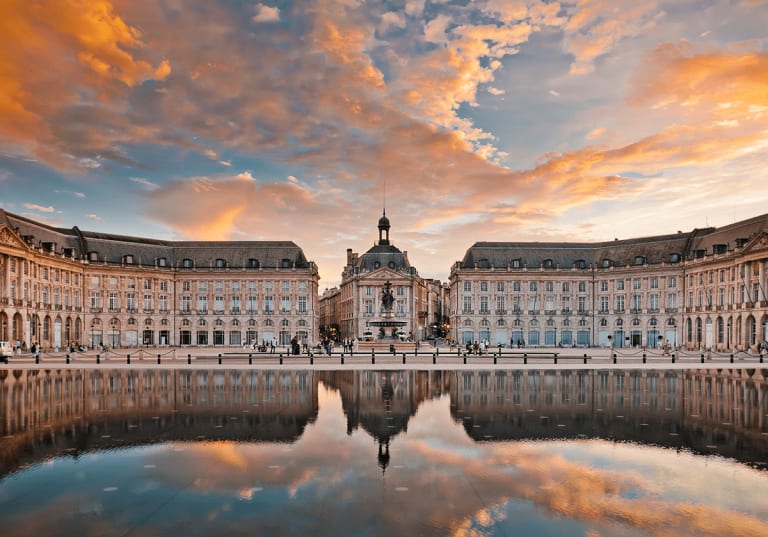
(355, 308)
(61, 287)
(705, 289)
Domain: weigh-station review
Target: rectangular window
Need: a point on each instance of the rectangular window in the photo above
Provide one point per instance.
(269, 305)
(163, 302)
(483, 287)
(147, 302)
(218, 304)
(235, 305)
(285, 286)
(251, 304)
(516, 287)
(285, 304)
(95, 299)
(147, 284)
(113, 301)
(467, 304)
(500, 304)
(636, 302)
(186, 304)
(302, 304)
(202, 287)
(582, 287)
(603, 286)
(467, 286)
(582, 304)
(185, 286)
(636, 283)
(671, 300)
(202, 303)
(484, 304)
(671, 282)
(619, 302)
(619, 285)
(654, 301)
(401, 291)
(500, 287)
(534, 286)
(603, 304)
(550, 287)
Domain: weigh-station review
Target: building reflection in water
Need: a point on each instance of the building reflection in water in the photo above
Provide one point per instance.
(50, 412)
(326, 453)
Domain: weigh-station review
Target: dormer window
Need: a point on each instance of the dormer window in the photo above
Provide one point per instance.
(674, 258)
(128, 259)
(162, 262)
(517, 263)
(548, 264)
(700, 253)
(253, 263)
(187, 263)
(720, 248)
(741, 242)
(580, 264)
(606, 263)
(93, 256)
(639, 260)
(221, 263)
(286, 263)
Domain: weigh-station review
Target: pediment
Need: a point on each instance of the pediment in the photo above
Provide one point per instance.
(383, 275)
(9, 237)
(758, 243)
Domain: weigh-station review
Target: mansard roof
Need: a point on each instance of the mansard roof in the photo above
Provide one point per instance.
(112, 248)
(383, 256)
(568, 254)
(641, 250)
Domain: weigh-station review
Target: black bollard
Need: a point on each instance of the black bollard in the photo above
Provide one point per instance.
(494, 359)
(67, 358)
(37, 358)
(525, 358)
(128, 359)
(434, 358)
(702, 357)
(342, 360)
(585, 358)
(373, 358)
(281, 359)
(465, 358)
(158, 358)
(614, 358)
(731, 358)
(761, 357)
(98, 359)
(673, 357)
(403, 357)
(643, 357)
(189, 358)
(250, 359)
(220, 358)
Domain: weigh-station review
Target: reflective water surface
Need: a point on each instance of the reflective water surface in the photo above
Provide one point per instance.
(464, 453)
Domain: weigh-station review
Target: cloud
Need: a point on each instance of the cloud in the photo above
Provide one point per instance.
(595, 28)
(35, 207)
(94, 218)
(147, 184)
(266, 13)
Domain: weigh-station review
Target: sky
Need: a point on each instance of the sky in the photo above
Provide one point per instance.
(487, 120)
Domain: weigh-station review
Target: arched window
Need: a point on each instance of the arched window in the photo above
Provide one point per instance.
(285, 322)
(485, 322)
(268, 322)
(251, 322)
(201, 322)
(235, 322)
(219, 322)
(603, 322)
(619, 322)
(500, 322)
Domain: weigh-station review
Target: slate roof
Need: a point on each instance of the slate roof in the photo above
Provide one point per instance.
(112, 248)
(649, 250)
(386, 256)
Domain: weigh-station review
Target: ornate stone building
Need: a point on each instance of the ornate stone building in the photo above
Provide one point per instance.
(60, 286)
(705, 289)
(355, 308)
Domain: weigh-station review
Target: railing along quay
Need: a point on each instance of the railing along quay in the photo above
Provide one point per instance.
(410, 355)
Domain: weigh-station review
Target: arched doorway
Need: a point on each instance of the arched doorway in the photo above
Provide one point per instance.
(113, 335)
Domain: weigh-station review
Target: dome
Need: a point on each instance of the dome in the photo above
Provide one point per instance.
(384, 221)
